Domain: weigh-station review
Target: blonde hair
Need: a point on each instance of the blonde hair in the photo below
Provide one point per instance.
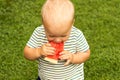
(58, 12)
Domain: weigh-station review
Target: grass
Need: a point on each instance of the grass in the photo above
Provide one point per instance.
(98, 19)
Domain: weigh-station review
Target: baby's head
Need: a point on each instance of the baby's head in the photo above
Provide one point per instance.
(58, 18)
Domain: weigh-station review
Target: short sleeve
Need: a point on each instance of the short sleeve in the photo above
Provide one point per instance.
(34, 39)
(81, 42)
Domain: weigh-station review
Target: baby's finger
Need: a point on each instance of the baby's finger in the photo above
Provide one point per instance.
(50, 52)
(48, 45)
(51, 48)
(67, 63)
(64, 57)
(63, 52)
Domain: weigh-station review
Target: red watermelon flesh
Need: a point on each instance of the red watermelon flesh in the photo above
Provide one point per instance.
(59, 47)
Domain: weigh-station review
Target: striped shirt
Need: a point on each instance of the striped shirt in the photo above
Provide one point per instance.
(48, 71)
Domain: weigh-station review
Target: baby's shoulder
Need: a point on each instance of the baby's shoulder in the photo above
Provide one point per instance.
(75, 30)
(39, 28)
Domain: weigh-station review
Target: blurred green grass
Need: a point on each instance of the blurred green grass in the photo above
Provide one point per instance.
(98, 19)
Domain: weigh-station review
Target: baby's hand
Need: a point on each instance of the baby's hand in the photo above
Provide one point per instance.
(47, 49)
(66, 55)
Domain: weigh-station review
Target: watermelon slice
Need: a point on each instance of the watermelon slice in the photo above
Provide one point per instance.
(58, 48)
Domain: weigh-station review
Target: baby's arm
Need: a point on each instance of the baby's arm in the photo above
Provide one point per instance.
(76, 58)
(31, 53)
(35, 53)
(80, 57)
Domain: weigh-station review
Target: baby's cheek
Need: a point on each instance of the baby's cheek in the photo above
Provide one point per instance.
(50, 39)
(65, 39)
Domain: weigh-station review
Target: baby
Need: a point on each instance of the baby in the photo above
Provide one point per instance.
(58, 19)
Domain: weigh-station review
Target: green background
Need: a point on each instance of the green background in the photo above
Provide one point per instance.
(98, 19)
